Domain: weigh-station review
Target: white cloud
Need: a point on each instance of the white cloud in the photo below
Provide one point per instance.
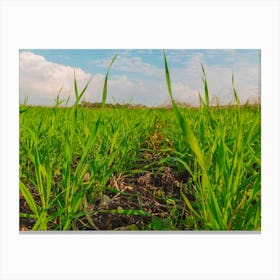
(246, 80)
(41, 80)
(187, 81)
(133, 64)
(149, 92)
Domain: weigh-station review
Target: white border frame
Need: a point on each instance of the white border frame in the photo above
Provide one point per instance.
(143, 24)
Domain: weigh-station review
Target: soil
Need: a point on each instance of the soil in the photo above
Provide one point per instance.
(144, 191)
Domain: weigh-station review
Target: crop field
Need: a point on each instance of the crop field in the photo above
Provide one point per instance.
(136, 168)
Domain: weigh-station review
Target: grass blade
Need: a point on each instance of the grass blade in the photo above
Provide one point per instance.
(234, 92)
(104, 94)
(75, 86)
(185, 127)
(206, 92)
(29, 199)
(168, 78)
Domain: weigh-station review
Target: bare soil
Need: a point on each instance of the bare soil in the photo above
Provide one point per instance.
(145, 191)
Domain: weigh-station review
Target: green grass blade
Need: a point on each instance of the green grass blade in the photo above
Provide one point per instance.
(234, 91)
(83, 91)
(206, 92)
(89, 144)
(76, 86)
(185, 127)
(126, 212)
(77, 95)
(168, 78)
(29, 199)
(113, 60)
(187, 202)
(104, 94)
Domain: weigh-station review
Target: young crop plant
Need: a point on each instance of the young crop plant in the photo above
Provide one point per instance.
(58, 204)
(100, 166)
(224, 166)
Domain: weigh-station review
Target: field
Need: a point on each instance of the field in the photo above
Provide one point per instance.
(140, 168)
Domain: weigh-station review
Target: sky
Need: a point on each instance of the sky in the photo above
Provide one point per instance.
(138, 75)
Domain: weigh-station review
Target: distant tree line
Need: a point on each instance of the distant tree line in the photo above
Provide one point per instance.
(87, 104)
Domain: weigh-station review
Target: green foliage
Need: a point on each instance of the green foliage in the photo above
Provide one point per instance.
(161, 224)
(225, 163)
(104, 95)
(69, 155)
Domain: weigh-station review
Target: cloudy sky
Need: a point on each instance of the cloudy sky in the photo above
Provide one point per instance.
(138, 76)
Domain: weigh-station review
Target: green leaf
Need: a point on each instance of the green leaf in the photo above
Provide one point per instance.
(75, 86)
(234, 92)
(187, 202)
(168, 78)
(29, 199)
(104, 94)
(83, 91)
(126, 212)
(206, 93)
(184, 125)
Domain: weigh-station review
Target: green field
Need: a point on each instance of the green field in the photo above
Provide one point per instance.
(140, 168)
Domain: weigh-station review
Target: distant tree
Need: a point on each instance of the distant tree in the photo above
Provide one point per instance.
(97, 105)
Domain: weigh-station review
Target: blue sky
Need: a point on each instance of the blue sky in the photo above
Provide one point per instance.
(138, 75)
